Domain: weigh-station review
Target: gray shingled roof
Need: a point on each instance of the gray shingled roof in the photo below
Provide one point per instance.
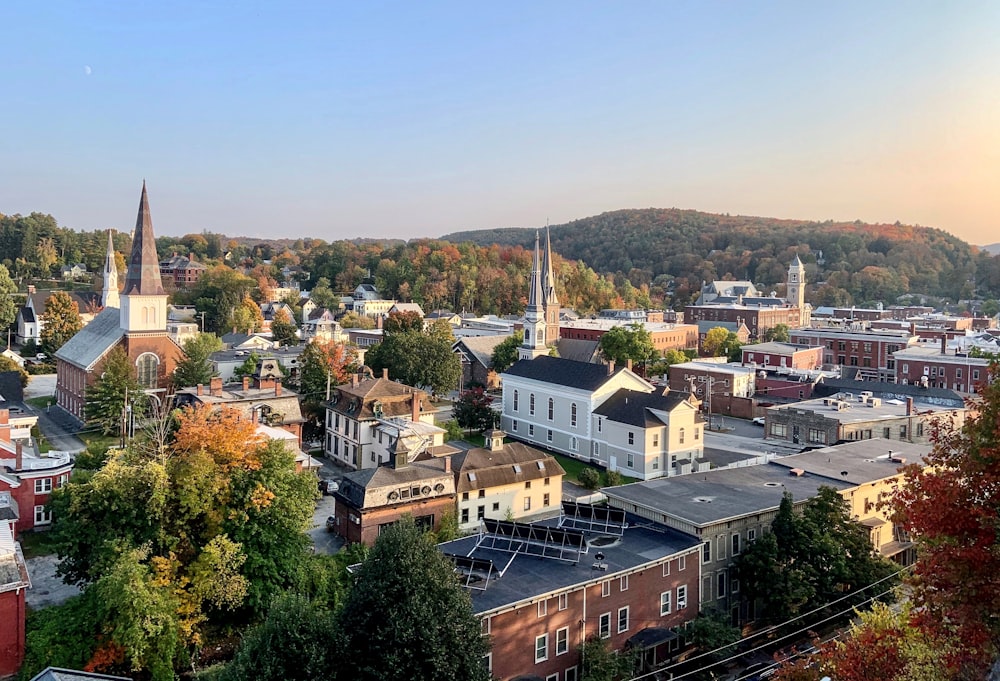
(94, 340)
(481, 347)
(578, 350)
(631, 406)
(559, 371)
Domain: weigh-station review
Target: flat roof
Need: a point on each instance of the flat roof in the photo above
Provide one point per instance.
(606, 324)
(863, 461)
(703, 499)
(528, 577)
(857, 411)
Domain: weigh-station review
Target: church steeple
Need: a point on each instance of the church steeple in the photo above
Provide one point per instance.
(551, 303)
(143, 301)
(143, 276)
(534, 314)
(109, 294)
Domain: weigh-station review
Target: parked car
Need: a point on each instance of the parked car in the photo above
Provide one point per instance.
(758, 420)
(328, 486)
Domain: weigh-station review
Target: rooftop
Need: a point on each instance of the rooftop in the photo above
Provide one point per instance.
(638, 408)
(604, 324)
(565, 372)
(852, 410)
(857, 462)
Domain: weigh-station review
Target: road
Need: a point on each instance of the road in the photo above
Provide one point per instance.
(58, 427)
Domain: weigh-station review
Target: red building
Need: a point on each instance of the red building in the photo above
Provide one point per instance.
(758, 319)
(783, 355)
(181, 271)
(665, 336)
(29, 479)
(542, 590)
(870, 351)
(938, 367)
(14, 582)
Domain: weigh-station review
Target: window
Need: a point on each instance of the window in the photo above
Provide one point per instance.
(541, 648)
(543, 608)
(665, 603)
(42, 517)
(887, 433)
(43, 485)
(573, 444)
(817, 435)
(734, 586)
(515, 400)
(496, 505)
(682, 597)
(666, 569)
(656, 439)
(527, 483)
(563, 601)
(488, 661)
(552, 409)
(531, 429)
(736, 544)
(920, 429)
(720, 548)
(562, 641)
(721, 584)
(527, 503)
(552, 677)
(600, 422)
(751, 534)
(531, 404)
(482, 494)
(64, 478)
(697, 432)
(465, 515)
(513, 425)
(570, 674)
(680, 435)
(902, 432)
(604, 625)
(630, 461)
(681, 563)
(606, 588)
(631, 437)
(480, 512)
(546, 499)
(146, 368)
(548, 435)
(706, 552)
(975, 374)
(779, 429)
(572, 414)
(623, 583)
(958, 373)
(465, 496)
(622, 619)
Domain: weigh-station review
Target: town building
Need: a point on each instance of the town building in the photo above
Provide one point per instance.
(73, 272)
(27, 477)
(476, 355)
(29, 321)
(664, 336)
(14, 582)
(857, 416)
(355, 410)
(372, 499)
(505, 481)
(723, 387)
(784, 355)
(941, 367)
(871, 352)
(259, 398)
(541, 590)
(138, 326)
(630, 316)
(738, 328)
(181, 271)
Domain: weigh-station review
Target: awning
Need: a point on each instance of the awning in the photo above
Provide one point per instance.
(873, 522)
(894, 548)
(650, 637)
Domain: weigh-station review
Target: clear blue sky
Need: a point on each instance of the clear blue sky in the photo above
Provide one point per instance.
(338, 120)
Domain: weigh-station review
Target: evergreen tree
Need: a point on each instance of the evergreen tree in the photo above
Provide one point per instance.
(60, 322)
(195, 367)
(116, 387)
(407, 618)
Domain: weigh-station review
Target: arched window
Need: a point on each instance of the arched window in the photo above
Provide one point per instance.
(147, 368)
(680, 436)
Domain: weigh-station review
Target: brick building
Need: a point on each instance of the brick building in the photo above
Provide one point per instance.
(940, 367)
(870, 351)
(724, 388)
(784, 355)
(29, 479)
(665, 336)
(14, 581)
(758, 319)
(181, 271)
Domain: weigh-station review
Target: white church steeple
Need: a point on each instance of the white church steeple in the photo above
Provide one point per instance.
(534, 314)
(109, 294)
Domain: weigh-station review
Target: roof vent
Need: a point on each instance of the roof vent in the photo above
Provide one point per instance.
(797, 472)
(703, 500)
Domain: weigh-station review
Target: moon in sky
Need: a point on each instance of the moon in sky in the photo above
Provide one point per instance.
(87, 70)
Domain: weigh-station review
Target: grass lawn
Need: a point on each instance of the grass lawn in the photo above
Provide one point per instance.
(35, 544)
(574, 466)
(99, 442)
(41, 402)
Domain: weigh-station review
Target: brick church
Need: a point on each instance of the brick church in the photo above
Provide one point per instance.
(134, 320)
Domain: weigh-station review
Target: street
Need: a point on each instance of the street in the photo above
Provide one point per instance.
(58, 427)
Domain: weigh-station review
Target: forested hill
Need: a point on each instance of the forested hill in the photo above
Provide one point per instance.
(846, 262)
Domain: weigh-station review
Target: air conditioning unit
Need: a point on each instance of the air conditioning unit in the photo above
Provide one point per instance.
(875, 402)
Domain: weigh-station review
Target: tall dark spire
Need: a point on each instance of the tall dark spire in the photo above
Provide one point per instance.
(535, 296)
(143, 276)
(548, 279)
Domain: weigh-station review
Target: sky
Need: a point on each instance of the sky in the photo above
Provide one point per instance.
(370, 119)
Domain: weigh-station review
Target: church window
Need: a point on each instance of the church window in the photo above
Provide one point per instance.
(146, 368)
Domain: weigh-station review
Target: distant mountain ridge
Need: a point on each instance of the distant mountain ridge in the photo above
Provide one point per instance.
(858, 262)
(992, 249)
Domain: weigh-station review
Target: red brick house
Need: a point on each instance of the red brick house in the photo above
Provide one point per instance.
(14, 581)
(138, 326)
(542, 590)
(784, 355)
(29, 479)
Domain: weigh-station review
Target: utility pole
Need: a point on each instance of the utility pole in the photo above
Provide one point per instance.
(708, 400)
(202, 314)
(328, 376)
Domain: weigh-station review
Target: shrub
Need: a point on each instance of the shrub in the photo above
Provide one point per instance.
(613, 478)
(589, 478)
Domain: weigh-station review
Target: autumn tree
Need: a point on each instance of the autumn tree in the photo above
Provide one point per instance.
(409, 320)
(195, 367)
(245, 317)
(472, 410)
(60, 322)
(324, 363)
(624, 343)
(116, 388)
(714, 340)
(505, 354)
(353, 320)
(9, 365)
(283, 329)
(432, 633)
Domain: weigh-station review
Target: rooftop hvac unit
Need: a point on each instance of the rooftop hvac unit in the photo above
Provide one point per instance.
(875, 402)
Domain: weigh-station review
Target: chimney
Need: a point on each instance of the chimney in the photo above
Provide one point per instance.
(378, 321)
(355, 380)
(944, 343)
(215, 386)
(415, 403)
(277, 388)
(191, 257)
(628, 364)
(611, 367)
(246, 383)
(18, 455)
(909, 406)
(201, 389)
(385, 373)
(913, 328)
(31, 288)
(447, 463)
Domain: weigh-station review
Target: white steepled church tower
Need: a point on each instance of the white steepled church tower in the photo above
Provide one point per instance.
(534, 315)
(109, 294)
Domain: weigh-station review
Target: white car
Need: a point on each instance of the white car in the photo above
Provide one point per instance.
(758, 420)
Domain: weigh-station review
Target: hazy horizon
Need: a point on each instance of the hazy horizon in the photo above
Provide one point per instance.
(390, 120)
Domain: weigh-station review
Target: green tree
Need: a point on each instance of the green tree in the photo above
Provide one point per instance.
(323, 296)
(283, 329)
(217, 293)
(195, 367)
(8, 310)
(600, 663)
(505, 354)
(472, 410)
(60, 322)
(432, 633)
(715, 340)
(417, 359)
(589, 478)
(731, 347)
(353, 320)
(115, 388)
(294, 643)
(7, 364)
(777, 333)
(712, 632)
(248, 367)
(623, 343)
(245, 317)
(403, 321)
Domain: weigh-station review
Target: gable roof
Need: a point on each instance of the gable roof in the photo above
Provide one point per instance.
(480, 348)
(559, 371)
(578, 350)
(633, 407)
(94, 340)
(493, 469)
